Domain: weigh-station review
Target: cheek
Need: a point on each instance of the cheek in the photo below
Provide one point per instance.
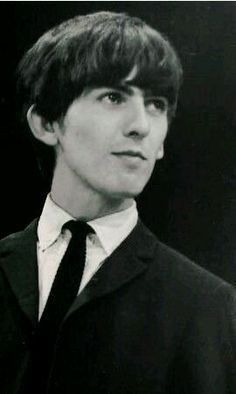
(159, 133)
(164, 127)
(87, 146)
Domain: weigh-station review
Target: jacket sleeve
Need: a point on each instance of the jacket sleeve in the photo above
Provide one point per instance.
(206, 361)
(228, 335)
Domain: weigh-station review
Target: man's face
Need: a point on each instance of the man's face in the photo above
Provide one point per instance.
(110, 140)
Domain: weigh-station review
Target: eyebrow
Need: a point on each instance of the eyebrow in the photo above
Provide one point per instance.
(123, 87)
(126, 87)
(120, 87)
(147, 93)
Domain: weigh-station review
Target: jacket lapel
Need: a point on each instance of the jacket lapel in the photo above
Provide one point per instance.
(128, 261)
(19, 263)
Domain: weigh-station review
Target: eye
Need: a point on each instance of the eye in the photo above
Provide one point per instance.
(113, 97)
(157, 104)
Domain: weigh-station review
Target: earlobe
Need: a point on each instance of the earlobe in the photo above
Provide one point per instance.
(160, 153)
(41, 129)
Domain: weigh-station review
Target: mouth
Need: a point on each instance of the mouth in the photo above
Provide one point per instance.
(130, 153)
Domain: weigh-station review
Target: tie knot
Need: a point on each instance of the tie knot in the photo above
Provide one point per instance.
(78, 228)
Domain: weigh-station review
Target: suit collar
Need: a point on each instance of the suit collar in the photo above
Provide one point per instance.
(19, 263)
(128, 261)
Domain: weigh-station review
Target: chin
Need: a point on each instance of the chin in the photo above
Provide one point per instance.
(122, 189)
(133, 189)
(128, 192)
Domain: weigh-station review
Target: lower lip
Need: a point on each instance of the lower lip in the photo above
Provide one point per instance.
(130, 160)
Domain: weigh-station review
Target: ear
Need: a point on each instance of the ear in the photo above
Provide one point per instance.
(41, 129)
(160, 153)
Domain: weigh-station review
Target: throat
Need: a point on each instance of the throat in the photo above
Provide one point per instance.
(88, 206)
(75, 196)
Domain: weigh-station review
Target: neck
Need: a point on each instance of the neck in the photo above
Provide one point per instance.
(83, 203)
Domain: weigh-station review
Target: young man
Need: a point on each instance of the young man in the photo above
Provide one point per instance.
(101, 90)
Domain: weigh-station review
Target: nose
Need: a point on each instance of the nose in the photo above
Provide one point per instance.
(138, 121)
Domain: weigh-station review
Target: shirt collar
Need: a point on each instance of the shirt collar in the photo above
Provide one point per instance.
(50, 223)
(111, 230)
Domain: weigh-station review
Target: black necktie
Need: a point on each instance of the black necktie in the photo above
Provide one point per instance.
(66, 283)
(63, 292)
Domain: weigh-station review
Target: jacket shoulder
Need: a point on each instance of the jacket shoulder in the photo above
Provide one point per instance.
(8, 243)
(180, 271)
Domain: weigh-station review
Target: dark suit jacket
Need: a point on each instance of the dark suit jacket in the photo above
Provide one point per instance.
(150, 321)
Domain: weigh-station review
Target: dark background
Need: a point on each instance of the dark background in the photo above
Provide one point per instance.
(190, 201)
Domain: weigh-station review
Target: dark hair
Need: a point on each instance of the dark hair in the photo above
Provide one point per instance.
(94, 50)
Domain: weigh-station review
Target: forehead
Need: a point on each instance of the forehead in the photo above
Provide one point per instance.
(129, 85)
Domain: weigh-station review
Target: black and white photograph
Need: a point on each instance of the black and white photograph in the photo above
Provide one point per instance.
(118, 191)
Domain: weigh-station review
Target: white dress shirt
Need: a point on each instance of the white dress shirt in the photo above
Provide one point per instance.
(110, 231)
